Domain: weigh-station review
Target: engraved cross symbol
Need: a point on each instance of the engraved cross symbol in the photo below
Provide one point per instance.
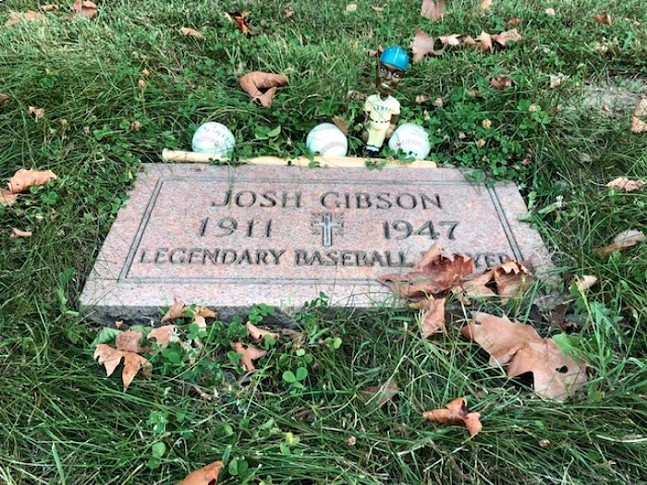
(327, 224)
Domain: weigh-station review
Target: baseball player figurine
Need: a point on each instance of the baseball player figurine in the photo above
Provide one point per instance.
(381, 110)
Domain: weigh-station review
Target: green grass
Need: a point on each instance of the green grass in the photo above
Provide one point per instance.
(63, 421)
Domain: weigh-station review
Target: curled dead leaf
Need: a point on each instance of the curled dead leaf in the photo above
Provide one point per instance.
(130, 341)
(50, 8)
(503, 38)
(289, 13)
(638, 126)
(341, 124)
(175, 311)
(257, 335)
(433, 316)
(474, 288)
(628, 185)
(249, 353)
(485, 4)
(550, 11)
(512, 21)
(556, 80)
(351, 7)
(15, 232)
(382, 393)
(85, 9)
(29, 16)
(625, 239)
(432, 10)
(421, 98)
(204, 312)
(262, 86)
(297, 338)
(422, 45)
(189, 32)
(456, 413)
(38, 113)
(241, 19)
(133, 363)
(433, 274)
(207, 475)
(584, 282)
(163, 335)
(512, 280)
(23, 179)
(641, 108)
(7, 197)
(135, 126)
(603, 18)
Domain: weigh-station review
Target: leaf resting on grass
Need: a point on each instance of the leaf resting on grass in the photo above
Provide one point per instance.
(207, 475)
(456, 413)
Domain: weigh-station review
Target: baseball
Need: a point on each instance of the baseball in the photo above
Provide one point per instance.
(214, 138)
(412, 140)
(327, 140)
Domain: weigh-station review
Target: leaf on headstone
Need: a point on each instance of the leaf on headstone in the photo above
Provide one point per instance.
(512, 279)
(432, 10)
(262, 86)
(485, 4)
(638, 126)
(584, 282)
(29, 16)
(133, 363)
(628, 185)
(85, 9)
(257, 335)
(433, 316)
(625, 239)
(130, 341)
(23, 179)
(38, 113)
(7, 197)
(15, 232)
(500, 82)
(189, 32)
(383, 393)
(163, 335)
(175, 311)
(475, 287)
(207, 475)
(555, 375)
(456, 413)
(603, 18)
(433, 274)
(249, 353)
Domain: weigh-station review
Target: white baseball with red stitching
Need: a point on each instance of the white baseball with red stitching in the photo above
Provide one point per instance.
(412, 140)
(214, 138)
(327, 140)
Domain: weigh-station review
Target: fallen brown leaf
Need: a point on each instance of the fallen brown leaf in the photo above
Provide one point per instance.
(163, 335)
(433, 274)
(383, 393)
(584, 282)
(7, 197)
(85, 8)
(433, 316)
(4, 99)
(38, 113)
(500, 82)
(29, 16)
(641, 108)
(351, 7)
(257, 335)
(15, 232)
(550, 11)
(207, 475)
(289, 13)
(205, 312)
(432, 10)
(175, 311)
(23, 179)
(603, 18)
(378, 9)
(421, 98)
(50, 8)
(628, 185)
(133, 363)
(638, 126)
(485, 4)
(262, 86)
(341, 124)
(130, 341)
(625, 239)
(513, 21)
(249, 353)
(423, 45)
(512, 279)
(297, 338)
(503, 38)
(438, 102)
(241, 19)
(474, 287)
(456, 413)
(189, 32)
(484, 41)
(556, 80)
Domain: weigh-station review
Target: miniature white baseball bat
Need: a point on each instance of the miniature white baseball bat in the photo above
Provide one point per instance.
(335, 162)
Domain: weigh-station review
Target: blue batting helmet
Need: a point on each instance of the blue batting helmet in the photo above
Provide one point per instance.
(395, 56)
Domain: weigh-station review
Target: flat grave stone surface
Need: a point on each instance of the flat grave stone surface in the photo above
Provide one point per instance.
(230, 237)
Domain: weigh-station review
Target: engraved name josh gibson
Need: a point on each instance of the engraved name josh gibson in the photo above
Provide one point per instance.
(223, 235)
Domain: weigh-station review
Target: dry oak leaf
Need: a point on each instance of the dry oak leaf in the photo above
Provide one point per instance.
(15, 232)
(584, 282)
(163, 335)
(7, 197)
(500, 82)
(383, 393)
(133, 363)
(29, 16)
(603, 18)
(512, 279)
(249, 353)
(432, 10)
(456, 413)
(38, 113)
(189, 32)
(85, 8)
(257, 335)
(628, 185)
(638, 126)
(433, 274)
(207, 475)
(422, 45)
(262, 86)
(175, 311)
(474, 287)
(23, 179)
(130, 341)
(433, 316)
(625, 239)
(555, 375)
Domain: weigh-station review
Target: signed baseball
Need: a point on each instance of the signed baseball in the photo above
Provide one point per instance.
(214, 138)
(327, 140)
(412, 140)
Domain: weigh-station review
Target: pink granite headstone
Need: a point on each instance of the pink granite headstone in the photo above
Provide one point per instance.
(232, 237)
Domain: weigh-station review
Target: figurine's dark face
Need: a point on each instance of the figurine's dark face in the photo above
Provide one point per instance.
(388, 78)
